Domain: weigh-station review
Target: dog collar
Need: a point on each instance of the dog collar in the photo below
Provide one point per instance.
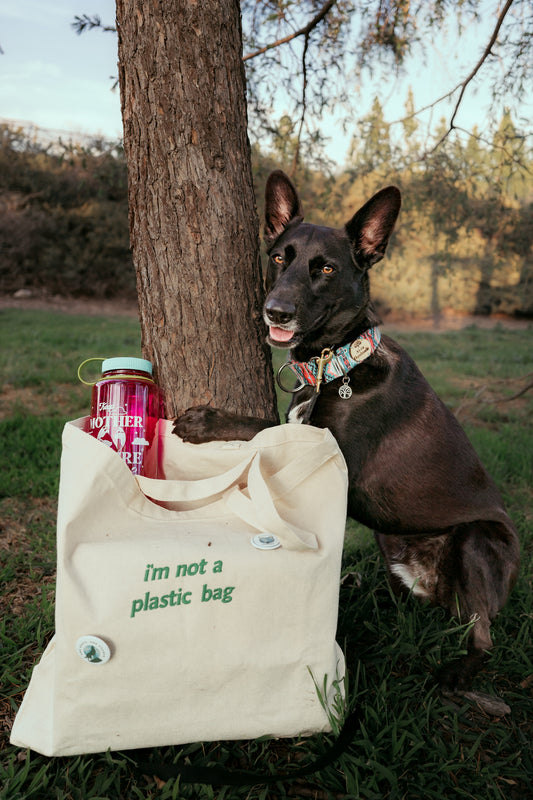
(336, 365)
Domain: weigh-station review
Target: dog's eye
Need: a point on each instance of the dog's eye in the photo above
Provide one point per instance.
(277, 259)
(327, 269)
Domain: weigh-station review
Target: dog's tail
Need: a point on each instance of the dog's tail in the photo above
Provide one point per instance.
(220, 776)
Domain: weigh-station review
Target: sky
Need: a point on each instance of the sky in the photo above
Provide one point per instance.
(55, 79)
(52, 77)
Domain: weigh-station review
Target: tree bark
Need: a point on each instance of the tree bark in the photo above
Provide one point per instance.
(193, 221)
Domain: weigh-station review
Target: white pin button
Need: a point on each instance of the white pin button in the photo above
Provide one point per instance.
(93, 650)
(266, 541)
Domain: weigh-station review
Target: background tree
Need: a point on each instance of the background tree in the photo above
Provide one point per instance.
(371, 149)
(193, 225)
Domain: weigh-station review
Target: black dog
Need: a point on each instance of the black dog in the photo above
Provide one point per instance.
(414, 477)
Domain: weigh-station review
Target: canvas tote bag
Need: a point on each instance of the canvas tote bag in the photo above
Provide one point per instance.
(205, 635)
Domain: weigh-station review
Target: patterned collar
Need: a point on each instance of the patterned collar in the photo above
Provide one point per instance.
(338, 364)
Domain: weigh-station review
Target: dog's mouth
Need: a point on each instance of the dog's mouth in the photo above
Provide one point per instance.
(289, 339)
(280, 337)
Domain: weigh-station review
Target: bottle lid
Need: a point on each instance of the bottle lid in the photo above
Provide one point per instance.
(138, 364)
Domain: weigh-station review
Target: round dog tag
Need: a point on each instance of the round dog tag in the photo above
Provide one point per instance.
(360, 349)
(345, 391)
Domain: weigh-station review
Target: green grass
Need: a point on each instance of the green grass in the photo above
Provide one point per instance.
(41, 348)
(410, 744)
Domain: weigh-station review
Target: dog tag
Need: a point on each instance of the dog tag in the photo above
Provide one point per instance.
(345, 391)
(360, 349)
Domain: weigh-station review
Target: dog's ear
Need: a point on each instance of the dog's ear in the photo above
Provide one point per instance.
(370, 228)
(282, 204)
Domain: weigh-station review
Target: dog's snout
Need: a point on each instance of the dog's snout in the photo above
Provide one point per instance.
(279, 312)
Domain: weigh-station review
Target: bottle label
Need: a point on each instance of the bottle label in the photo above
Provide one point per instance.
(122, 431)
(117, 420)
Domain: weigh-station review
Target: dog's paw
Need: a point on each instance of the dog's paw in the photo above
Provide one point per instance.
(452, 678)
(457, 675)
(199, 424)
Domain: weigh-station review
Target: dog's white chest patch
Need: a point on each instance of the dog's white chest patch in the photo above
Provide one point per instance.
(413, 577)
(297, 412)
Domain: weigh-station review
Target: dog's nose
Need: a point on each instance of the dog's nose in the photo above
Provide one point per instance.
(279, 312)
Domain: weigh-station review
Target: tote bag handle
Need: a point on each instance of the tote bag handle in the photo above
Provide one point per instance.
(184, 491)
(259, 509)
(281, 482)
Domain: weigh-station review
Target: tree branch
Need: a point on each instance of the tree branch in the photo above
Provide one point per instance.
(317, 19)
(500, 147)
(483, 58)
(296, 158)
(85, 22)
(478, 399)
(463, 85)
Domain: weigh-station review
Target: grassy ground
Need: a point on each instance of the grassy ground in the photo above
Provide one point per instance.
(410, 743)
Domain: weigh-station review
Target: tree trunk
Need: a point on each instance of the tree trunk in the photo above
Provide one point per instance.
(193, 221)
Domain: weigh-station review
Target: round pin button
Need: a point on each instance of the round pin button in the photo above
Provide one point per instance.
(93, 650)
(266, 541)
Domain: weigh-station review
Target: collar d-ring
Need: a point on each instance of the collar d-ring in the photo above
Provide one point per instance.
(284, 388)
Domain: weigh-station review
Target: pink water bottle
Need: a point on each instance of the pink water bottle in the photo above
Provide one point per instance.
(126, 405)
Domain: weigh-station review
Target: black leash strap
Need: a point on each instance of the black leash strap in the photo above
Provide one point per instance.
(306, 416)
(220, 776)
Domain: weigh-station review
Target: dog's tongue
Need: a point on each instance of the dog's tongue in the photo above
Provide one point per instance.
(280, 335)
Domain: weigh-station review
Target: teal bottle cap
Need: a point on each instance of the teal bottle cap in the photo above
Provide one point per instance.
(138, 364)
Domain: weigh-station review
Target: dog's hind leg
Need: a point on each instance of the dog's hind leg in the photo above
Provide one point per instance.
(484, 565)
(468, 571)
(457, 676)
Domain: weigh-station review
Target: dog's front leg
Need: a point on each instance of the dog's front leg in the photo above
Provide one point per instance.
(206, 424)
